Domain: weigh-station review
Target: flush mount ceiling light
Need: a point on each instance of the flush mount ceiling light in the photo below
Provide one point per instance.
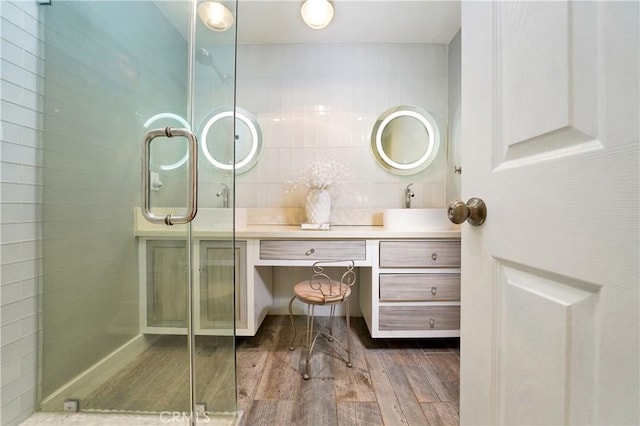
(215, 15)
(317, 14)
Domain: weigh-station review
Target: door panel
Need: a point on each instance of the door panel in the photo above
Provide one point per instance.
(545, 340)
(112, 71)
(107, 68)
(212, 90)
(550, 281)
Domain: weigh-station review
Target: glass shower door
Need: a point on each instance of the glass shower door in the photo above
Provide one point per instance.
(116, 289)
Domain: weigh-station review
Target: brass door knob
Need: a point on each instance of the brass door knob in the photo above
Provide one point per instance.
(474, 211)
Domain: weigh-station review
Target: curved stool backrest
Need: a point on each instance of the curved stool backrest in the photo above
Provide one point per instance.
(328, 287)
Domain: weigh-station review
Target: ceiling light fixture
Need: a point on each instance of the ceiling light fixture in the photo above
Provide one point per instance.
(317, 14)
(215, 15)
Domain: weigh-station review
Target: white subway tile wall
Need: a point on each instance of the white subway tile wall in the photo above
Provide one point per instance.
(322, 100)
(20, 198)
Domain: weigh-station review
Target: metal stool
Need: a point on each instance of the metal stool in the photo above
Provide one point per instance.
(322, 290)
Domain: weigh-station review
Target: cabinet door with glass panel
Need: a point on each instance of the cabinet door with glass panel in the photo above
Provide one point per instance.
(164, 296)
(222, 292)
(219, 295)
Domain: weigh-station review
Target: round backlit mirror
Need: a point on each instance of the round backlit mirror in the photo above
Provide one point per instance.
(405, 140)
(216, 133)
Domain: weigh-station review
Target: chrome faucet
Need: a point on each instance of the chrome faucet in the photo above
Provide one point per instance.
(408, 195)
(224, 193)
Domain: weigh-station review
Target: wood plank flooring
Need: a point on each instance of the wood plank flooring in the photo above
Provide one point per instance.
(392, 381)
(158, 379)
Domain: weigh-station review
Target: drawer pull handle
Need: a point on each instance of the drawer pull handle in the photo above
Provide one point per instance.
(310, 252)
(434, 256)
(432, 323)
(434, 290)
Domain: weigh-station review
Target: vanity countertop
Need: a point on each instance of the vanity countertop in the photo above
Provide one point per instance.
(203, 228)
(339, 231)
(292, 232)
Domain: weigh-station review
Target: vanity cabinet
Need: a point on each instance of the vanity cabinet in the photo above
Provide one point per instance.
(408, 282)
(415, 289)
(163, 287)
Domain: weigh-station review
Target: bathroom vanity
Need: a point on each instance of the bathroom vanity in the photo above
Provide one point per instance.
(409, 281)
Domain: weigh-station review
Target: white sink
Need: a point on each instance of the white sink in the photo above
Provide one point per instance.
(417, 220)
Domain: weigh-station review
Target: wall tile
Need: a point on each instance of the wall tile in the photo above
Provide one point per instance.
(17, 350)
(19, 225)
(328, 135)
(31, 137)
(19, 193)
(18, 153)
(11, 12)
(11, 371)
(353, 84)
(25, 115)
(11, 409)
(13, 292)
(14, 390)
(11, 173)
(10, 333)
(11, 92)
(11, 132)
(18, 232)
(19, 310)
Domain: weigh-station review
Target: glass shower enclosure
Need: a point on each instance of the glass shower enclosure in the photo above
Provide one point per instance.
(135, 317)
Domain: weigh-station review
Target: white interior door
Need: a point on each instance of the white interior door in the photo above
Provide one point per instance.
(550, 326)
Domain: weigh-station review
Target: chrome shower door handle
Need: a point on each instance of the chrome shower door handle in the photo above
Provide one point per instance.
(192, 181)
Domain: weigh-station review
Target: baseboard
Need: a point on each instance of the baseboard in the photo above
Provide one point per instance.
(87, 381)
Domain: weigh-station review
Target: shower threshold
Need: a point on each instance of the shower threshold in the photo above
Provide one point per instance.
(105, 419)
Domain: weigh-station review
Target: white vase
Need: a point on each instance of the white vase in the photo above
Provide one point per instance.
(318, 206)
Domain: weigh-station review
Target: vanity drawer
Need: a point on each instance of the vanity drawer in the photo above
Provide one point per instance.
(419, 318)
(313, 250)
(419, 254)
(419, 287)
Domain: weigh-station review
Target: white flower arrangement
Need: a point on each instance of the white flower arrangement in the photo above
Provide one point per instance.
(323, 173)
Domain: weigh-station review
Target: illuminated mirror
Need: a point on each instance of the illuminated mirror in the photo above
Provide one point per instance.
(217, 132)
(405, 140)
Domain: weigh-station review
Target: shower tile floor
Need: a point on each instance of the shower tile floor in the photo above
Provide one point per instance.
(392, 382)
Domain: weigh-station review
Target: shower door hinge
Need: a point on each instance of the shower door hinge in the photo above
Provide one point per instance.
(201, 410)
(71, 405)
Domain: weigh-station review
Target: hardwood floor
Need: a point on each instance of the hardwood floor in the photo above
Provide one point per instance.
(392, 381)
